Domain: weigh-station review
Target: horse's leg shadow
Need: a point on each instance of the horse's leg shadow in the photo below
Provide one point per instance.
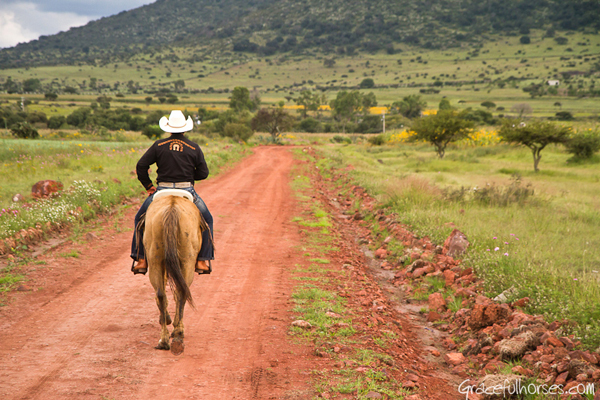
(164, 320)
(177, 344)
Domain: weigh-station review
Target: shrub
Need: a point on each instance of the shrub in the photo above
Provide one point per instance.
(341, 139)
(24, 130)
(377, 140)
(310, 125)
(56, 121)
(367, 83)
(564, 116)
(237, 131)
(583, 145)
(152, 132)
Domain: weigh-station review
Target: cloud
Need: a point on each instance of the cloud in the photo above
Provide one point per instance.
(22, 21)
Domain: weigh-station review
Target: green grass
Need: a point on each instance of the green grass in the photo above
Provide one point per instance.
(96, 175)
(468, 79)
(545, 243)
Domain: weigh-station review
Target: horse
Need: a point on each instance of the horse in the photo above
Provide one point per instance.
(172, 239)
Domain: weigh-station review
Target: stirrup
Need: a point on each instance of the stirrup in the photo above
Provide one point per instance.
(202, 272)
(138, 271)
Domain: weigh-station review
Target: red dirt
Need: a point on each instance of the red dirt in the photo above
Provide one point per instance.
(85, 327)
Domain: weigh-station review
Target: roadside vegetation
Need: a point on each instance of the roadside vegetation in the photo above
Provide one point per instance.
(531, 231)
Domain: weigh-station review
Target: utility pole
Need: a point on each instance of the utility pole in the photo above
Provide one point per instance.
(23, 104)
(383, 119)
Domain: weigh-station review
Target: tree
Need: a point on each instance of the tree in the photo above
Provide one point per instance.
(179, 84)
(558, 104)
(488, 104)
(148, 99)
(368, 100)
(152, 132)
(273, 120)
(441, 129)
(564, 116)
(329, 62)
(411, 106)
(367, 83)
(240, 99)
(522, 109)
(31, 85)
(445, 105)
(309, 101)
(56, 121)
(24, 130)
(536, 135)
(50, 96)
(345, 106)
(525, 39)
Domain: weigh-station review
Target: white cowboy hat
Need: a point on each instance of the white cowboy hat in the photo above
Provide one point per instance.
(176, 123)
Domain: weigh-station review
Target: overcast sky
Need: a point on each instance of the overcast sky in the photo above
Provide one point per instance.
(25, 20)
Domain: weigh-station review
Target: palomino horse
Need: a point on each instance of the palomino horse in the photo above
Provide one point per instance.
(172, 239)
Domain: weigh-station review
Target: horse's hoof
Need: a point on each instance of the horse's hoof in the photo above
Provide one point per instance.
(177, 347)
(169, 319)
(163, 346)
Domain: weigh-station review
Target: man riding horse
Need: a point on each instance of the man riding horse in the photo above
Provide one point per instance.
(179, 163)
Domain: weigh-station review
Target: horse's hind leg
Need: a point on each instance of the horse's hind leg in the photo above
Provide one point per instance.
(177, 345)
(164, 319)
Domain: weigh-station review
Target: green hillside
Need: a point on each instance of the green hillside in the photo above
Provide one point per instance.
(267, 27)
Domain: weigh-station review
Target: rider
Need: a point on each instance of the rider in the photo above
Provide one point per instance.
(179, 163)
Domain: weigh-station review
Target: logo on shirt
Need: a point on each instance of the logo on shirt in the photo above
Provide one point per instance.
(176, 144)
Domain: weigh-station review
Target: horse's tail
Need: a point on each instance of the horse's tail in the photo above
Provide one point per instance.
(172, 262)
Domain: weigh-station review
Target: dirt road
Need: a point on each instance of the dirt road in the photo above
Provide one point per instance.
(86, 327)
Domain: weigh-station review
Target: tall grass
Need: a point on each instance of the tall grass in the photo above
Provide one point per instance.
(542, 238)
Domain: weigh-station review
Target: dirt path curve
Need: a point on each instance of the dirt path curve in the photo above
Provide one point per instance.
(88, 327)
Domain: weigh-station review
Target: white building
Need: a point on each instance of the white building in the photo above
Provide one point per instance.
(553, 83)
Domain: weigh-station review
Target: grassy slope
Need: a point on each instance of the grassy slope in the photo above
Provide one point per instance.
(554, 261)
(502, 54)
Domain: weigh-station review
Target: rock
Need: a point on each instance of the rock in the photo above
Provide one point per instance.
(434, 353)
(302, 324)
(436, 302)
(412, 377)
(23, 288)
(456, 244)
(115, 180)
(521, 303)
(482, 316)
(498, 386)
(449, 276)
(381, 253)
(554, 342)
(45, 188)
(577, 367)
(433, 316)
(90, 236)
(503, 297)
(521, 371)
(373, 395)
(333, 315)
(17, 197)
(455, 358)
(415, 265)
(516, 347)
(419, 272)
(561, 379)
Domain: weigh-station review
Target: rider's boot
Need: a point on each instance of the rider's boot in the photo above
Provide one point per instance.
(202, 267)
(140, 268)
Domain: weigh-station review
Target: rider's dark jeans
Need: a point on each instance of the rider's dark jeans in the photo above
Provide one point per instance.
(206, 250)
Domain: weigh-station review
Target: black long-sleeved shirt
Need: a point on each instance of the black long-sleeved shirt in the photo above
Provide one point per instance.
(178, 160)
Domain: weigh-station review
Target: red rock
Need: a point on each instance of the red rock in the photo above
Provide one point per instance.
(571, 385)
(436, 302)
(521, 303)
(45, 188)
(415, 256)
(433, 316)
(494, 366)
(464, 293)
(561, 379)
(521, 371)
(596, 375)
(567, 342)
(412, 377)
(455, 358)
(456, 244)
(562, 366)
(552, 341)
(435, 353)
(547, 358)
(419, 272)
(381, 253)
(449, 276)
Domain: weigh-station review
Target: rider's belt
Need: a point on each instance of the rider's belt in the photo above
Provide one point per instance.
(175, 184)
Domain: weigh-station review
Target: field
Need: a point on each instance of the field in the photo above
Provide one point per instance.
(496, 71)
(534, 232)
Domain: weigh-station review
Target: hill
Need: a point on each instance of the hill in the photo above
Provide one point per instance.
(268, 27)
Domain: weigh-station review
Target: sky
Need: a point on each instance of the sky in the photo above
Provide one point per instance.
(25, 20)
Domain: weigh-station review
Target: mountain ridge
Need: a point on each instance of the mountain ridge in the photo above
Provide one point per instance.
(268, 27)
